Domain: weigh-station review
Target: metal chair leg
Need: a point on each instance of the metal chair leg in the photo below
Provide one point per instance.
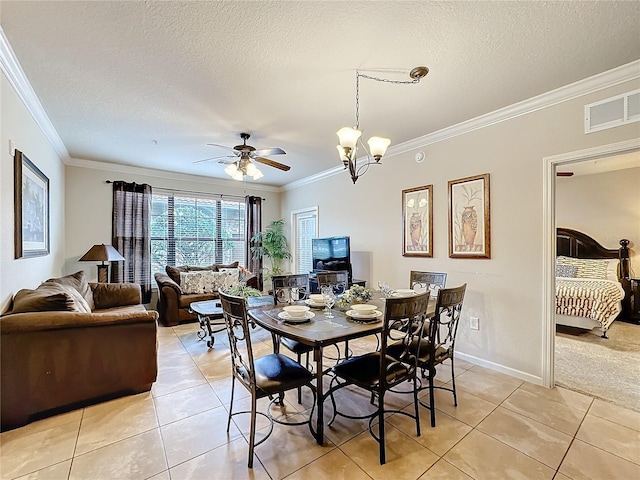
(233, 387)
(453, 383)
(416, 404)
(252, 434)
(383, 456)
(432, 397)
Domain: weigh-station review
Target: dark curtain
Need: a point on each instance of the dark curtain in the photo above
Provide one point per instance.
(130, 232)
(253, 223)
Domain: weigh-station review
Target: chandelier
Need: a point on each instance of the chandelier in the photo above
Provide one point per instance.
(350, 137)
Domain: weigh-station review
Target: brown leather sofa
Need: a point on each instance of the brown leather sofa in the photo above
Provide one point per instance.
(173, 304)
(57, 355)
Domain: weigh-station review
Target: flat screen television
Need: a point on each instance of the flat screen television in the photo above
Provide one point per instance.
(333, 253)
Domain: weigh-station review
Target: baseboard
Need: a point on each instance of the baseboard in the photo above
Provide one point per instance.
(537, 380)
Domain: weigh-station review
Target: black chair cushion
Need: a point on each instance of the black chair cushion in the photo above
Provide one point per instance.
(365, 370)
(295, 346)
(397, 350)
(277, 373)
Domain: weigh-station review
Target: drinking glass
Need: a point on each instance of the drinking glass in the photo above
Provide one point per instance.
(329, 297)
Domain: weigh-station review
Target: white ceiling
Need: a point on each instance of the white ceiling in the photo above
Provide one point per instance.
(114, 76)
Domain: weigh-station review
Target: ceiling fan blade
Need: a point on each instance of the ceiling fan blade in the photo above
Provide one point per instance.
(272, 163)
(269, 151)
(213, 158)
(227, 162)
(221, 146)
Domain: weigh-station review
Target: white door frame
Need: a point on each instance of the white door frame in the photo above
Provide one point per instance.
(294, 232)
(549, 241)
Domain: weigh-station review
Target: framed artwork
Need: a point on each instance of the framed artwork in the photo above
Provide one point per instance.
(417, 222)
(31, 202)
(469, 218)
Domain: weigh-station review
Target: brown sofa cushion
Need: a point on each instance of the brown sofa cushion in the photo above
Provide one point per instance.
(174, 272)
(50, 296)
(109, 295)
(78, 281)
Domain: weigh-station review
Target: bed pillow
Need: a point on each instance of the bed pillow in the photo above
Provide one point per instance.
(586, 268)
(566, 271)
(612, 270)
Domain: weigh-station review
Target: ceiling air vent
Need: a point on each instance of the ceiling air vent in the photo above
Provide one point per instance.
(612, 112)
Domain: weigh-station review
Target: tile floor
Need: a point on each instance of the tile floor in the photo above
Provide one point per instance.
(503, 428)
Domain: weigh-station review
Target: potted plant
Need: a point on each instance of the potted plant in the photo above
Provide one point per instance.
(271, 244)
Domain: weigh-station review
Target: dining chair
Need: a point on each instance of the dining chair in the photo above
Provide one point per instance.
(438, 344)
(339, 280)
(286, 290)
(422, 281)
(268, 376)
(377, 372)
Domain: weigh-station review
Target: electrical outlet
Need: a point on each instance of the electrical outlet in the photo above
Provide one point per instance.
(474, 323)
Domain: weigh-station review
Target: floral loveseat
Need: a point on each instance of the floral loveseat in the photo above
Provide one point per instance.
(181, 286)
(70, 343)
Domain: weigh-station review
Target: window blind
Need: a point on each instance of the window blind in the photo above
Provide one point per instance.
(198, 230)
(306, 230)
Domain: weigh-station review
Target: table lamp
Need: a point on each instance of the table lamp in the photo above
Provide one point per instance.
(102, 253)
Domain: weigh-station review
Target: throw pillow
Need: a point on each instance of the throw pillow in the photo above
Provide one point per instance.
(174, 272)
(566, 271)
(78, 281)
(47, 297)
(204, 281)
(586, 268)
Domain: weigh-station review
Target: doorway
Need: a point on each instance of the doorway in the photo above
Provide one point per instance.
(551, 165)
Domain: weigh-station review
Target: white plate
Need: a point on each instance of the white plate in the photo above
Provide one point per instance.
(354, 314)
(307, 316)
(311, 303)
(405, 292)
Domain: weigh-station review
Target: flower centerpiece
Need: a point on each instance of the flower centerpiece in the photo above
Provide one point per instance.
(356, 294)
(242, 290)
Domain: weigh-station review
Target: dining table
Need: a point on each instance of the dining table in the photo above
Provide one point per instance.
(318, 333)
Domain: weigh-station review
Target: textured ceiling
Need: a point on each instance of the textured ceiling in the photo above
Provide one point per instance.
(115, 76)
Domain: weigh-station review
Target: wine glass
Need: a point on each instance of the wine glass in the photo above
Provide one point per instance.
(329, 297)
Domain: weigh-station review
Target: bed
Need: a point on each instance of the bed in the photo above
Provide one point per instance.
(592, 282)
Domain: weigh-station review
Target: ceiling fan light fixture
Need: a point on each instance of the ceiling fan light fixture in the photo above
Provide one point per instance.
(251, 169)
(231, 169)
(258, 175)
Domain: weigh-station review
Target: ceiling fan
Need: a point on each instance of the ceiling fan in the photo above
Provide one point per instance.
(246, 155)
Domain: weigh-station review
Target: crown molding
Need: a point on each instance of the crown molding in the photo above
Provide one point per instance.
(610, 78)
(20, 83)
(149, 172)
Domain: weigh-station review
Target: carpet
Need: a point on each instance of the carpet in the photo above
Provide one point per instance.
(608, 369)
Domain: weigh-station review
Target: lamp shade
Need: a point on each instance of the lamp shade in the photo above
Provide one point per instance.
(348, 137)
(378, 146)
(102, 253)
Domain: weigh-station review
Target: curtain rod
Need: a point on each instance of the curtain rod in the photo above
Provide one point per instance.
(221, 195)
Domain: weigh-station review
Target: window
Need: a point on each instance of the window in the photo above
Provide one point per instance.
(305, 227)
(196, 229)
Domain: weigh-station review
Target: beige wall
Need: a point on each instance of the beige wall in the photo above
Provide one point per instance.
(605, 206)
(89, 199)
(505, 292)
(17, 124)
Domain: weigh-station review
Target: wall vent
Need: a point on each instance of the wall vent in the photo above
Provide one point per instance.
(612, 112)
